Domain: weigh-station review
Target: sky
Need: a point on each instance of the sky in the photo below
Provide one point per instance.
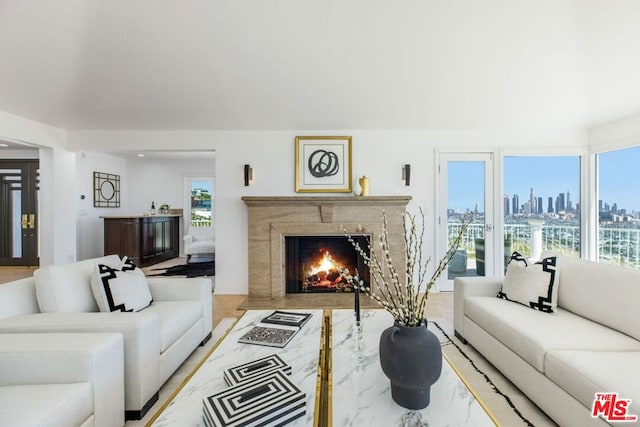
(549, 176)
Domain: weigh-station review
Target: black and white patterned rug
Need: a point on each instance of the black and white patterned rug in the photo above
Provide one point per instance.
(192, 269)
(504, 400)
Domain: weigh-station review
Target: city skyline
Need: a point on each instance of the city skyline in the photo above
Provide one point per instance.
(548, 176)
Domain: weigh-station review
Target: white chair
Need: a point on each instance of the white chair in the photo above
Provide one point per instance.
(61, 380)
(200, 242)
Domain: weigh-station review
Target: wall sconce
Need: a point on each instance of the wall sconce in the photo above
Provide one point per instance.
(248, 175)
(406, 174)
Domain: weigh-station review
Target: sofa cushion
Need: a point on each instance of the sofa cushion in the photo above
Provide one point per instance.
(531, 334)
(48, 405)
(176, 318)
(66, 288)
(535, 286)
(604, 293)
(582, 374)
(123, 289)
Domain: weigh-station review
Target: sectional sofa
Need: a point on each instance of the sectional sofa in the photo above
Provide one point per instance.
(157, 339)
(561, 360)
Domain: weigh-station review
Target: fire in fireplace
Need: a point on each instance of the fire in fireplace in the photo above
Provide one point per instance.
(312, 263)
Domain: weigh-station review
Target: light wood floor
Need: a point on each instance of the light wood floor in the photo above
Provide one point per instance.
(438, 304)
(9, 274)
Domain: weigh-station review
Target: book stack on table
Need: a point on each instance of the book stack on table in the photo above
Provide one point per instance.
(276, 330)
(259, 394)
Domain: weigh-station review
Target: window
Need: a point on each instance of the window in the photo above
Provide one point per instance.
(619, 207)
(541, 205)
(201, 208)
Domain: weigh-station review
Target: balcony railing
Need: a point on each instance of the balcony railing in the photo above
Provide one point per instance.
(201, 223)
(615, 245)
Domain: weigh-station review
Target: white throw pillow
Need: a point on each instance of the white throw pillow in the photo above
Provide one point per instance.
(535, 285)
(124, 289)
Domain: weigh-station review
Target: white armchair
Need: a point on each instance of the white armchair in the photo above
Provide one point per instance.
(200, 242)
(61, 380)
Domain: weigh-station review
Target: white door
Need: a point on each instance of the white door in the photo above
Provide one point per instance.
(465, 185)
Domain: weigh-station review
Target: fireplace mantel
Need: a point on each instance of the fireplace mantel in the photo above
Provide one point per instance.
(272, 218)
(321, 200)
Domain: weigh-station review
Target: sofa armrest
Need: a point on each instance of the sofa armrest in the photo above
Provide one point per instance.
(188, 239)
(33, 359)
(471, 286)
(180, 289)
(140, 331)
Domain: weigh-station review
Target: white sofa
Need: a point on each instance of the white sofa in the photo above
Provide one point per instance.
(560, 360)
(157, 339)
(61, 380)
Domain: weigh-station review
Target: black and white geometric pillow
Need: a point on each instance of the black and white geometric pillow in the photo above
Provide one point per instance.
(125, 289)
(535, 286)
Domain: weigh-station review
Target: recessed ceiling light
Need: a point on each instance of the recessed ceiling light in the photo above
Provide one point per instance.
(3, 144)
(140, 155)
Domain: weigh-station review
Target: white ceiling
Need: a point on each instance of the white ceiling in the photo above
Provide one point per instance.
(320, 64)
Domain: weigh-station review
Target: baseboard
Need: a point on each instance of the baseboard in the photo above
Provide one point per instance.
(139, 414)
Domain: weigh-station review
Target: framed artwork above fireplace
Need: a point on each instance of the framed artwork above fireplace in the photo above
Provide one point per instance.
(323, 164)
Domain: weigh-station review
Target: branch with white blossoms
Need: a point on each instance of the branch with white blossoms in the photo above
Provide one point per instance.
(402, 300)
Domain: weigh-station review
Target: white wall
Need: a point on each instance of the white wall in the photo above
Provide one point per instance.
(162, 180)
(377, 154)
(19, 154)
(90, 242)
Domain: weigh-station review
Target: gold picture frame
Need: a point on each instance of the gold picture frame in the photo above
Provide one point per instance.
(323, 164)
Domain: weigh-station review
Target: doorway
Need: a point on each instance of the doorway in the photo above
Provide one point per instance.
(19, 213)
(199, 198)
(466, 186)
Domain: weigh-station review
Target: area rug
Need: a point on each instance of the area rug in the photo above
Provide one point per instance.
(192, 269)
(503, 400)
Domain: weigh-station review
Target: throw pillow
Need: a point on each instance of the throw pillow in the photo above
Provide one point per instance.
(123, 289)
(535, 285)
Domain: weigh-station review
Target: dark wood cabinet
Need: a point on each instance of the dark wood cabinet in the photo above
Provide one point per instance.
(146, 240)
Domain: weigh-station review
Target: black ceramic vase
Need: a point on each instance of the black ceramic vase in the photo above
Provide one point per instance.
(411, 358)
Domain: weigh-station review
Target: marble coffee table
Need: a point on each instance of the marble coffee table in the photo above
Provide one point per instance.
(360, 394)
(301, 353)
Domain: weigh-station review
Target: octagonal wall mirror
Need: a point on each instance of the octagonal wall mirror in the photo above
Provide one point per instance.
(106, 190)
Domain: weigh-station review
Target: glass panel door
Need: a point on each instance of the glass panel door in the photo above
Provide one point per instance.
(466, 186)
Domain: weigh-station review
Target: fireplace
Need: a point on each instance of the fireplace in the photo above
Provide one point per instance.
(312, 263)
(271, 219)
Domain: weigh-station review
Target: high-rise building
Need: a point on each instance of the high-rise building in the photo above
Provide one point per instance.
(540, 206)
(532, 202)
(614, 208)
(515, 205)
(568, 207)
(506, 204)
(560, 206)
(550, 205)
(600, 206)
(526, 208)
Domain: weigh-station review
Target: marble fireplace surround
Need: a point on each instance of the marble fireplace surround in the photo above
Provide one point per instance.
(272, 218)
